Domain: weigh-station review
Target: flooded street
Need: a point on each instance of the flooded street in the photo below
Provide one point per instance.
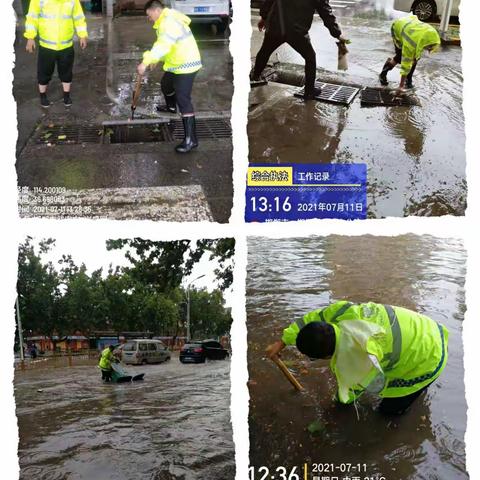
(175, 425)
(290, 277)
(415, 155)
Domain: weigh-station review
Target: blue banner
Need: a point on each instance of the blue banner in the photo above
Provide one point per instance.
(306, 191)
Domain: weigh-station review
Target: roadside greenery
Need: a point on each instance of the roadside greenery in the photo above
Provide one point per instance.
(147, 295)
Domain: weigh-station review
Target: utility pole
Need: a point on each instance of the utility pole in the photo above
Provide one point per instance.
(20, 330)
(188, 305)
(445, 21)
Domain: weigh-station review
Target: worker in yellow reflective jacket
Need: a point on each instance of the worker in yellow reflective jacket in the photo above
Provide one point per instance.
(389, 351)
(54, 23)
(411, 39)
(177, 49)
(106, 358)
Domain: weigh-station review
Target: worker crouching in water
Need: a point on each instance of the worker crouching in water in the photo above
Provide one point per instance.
(390, 351)
(107, 357)
(288, 21)
(55, 22)
(177, 48)
(411, 38)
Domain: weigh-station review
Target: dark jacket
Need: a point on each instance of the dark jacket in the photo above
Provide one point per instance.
(286, 17)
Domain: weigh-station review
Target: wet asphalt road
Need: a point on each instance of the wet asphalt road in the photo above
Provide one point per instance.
(415, 155)
(104, 77)
(175, 425)
(425, 274)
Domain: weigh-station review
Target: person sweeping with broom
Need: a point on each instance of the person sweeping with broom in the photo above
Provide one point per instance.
(177, 49)
(389, 351)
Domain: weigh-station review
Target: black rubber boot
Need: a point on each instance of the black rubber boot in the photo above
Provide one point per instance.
(383, 74)
(312, 94)
(190, 141)
(44, 102)
(409, 82)
(170, 105)
(67, 99)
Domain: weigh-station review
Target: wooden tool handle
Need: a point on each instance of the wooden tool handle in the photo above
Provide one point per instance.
(136, 93)
(276, 359)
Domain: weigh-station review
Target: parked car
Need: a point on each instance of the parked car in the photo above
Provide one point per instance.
(136, 352)
(198, 352)
(216, 12)
(425, 10)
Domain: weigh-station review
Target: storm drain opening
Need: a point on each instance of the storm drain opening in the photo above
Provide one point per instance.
(137, 133)
(207, 129)
(332, 93)
(52, 134)
(379, 97)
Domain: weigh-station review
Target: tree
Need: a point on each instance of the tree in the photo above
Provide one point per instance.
(208, 315)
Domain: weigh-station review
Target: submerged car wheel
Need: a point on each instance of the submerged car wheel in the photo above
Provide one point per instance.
(425, 10)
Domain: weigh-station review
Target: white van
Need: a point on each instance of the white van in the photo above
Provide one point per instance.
(136, 352)
(216, 12)
(425, 10)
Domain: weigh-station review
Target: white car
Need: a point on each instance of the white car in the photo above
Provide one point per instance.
(425, 10)
(216, 12)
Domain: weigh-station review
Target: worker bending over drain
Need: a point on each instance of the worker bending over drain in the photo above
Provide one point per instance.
(54, 22)
(177, 48)
(411, 38)
(389, 351)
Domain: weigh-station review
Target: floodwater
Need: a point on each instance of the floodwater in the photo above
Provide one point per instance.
(289, 277)
(175, 425)
(415, 155)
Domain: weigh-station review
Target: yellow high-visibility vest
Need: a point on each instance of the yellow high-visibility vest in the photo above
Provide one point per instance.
(390, 351)
(412, 36)
(175, 44)
(55, 23)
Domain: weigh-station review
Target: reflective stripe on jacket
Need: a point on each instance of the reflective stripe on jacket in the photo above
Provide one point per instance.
(412, 36)
(55, 22)
(106, 359)
(410, 349)
(175, 44)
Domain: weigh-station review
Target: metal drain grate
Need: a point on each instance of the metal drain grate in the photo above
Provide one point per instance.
(147, 133)
(333, 93)
(207, 128)
(67, 134)
(379, 97)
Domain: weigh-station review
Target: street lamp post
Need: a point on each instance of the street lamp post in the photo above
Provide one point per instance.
(188, 305)
(445, 20)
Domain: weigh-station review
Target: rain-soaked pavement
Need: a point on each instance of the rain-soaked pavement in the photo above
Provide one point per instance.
(415, 155)
(289, 277)
(104, 77)
(175, 425)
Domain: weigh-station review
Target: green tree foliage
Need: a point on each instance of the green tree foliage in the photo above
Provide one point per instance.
(144, 296)
(208, 315)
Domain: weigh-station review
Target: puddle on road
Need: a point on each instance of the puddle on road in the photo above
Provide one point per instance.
(300, 275)
(175, 425)
(415, 155)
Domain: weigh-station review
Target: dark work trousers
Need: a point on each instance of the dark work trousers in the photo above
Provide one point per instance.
(399, 405)
(299, 43)
(107, 375)
(47, 59)
(398, 59)
(180, 85)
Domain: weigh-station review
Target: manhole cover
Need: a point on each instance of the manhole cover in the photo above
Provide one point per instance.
(207, 128)
(68, 134)
(138, 133)
(333, 93)
(379, 97)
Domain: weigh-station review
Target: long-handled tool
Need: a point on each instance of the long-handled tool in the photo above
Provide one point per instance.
(136, 94)
(281, 365)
